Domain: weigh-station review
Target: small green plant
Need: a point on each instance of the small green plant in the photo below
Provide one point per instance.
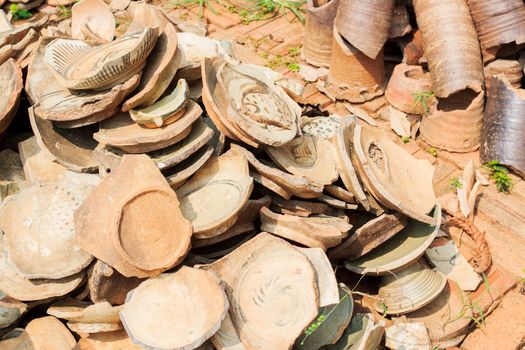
(469, 311)
(500, 175)
(433, 151)
(293, 66)
(423, 98)
(384, 309)
(294, 51)
(455, 183)
(521, 281)
(65, 11)
(405, 139)
(202, 4)
(265, 9)
(19, 13)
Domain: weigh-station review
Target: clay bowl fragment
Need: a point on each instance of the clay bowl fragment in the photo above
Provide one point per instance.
(397, 179)
(270, 184)
(361, 334)
(329, 291)
(325, 127)
(456, 64)
(74, 310)
(340, 193)
(503, 126)
(142, 238)
(177, 175)
(84, 329)
(79, 66)
(17, 33)
(365, 25)
(11, 310)
(214, 197)
(164, 111)
(400, 250)
(319, 24)
(49, 333)
(272, 291)
(116, 340)
(512, 70)
(39, 228)
(94, 16)
(301, 208)
(227, 337)
(122, 132)
(152, 311)
(11, 75)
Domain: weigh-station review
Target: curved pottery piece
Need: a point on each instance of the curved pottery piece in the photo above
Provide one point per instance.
(165, 111)
(177, 175)
(16, 34)
(361, 334)
(325, 127)
(400, 24)
(122, 132)
(455, 63)
(405, 84)
(161, 301)
(329, 292)
(397, 179)
(94, 16)
(12, 83)
(11, 310)
(504, 126)
(214, 197)
(143, 222)
(74, 310)
(365, 24)
(39, 229)
(353, 76)
(498, 22)
(403, 335)
(79, 66)
(83, 329)
(512, 70)
(319, 24)
(117, 340)
(410, 289)
(455, 130)
(227, 337)
(400, 250)
(49, 333)
(308, 156)
(272, 291)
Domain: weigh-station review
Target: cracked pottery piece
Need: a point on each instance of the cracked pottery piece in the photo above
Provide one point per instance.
(365, 24)
(21, 50)
(361, 334)
(227, 337)
(268, 312)
(164, 111)
(74, 310)
(213, 198)
(329, 291)
(338, 192)
(456, 64)
(512, 70)
(135, 211)
(93, 16)
(49, 333)
(302, 208)
(15, 34)
(325, 127)
(78, 66)
(160, 302)
(84, 329)
(11, 310)
(12, 178)
(400, 23)
(412, 335)
(270, 184)
(122, 132)
(177, 175)
(319, 24)
(12, 83)
(107, 341)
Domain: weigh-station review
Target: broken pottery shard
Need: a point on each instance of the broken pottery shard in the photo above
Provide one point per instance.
(353, 76)
(146, 15)
(319, 24)
(107, 284)
(107, 341)
(11, 78)
(400, 23)
(299, 186)
(397, 179)
(456, 64)
(336, 203)
(322, 233)
(270, 184)
(39, 229)
(135, 212)
(74, 310)
(79, 66)
(159, 71)
(365, 24)
(406, 84)
(455, 123)
(17, 33)
(340, 193)
(49, 333)
(72, 148)
(122, 132)
(227, 337)
(326, 282)
(301, 208)
(52, 101)
(84, 329)
(503, 127)
(214, 197)
(308, 156)
(272, 291)
(94, 16)
(12, 178)
(369, 236)
(153, 310)
(498, 23)
(177, 175)
(361, 334)
(11, 310)
(325, 127)
(410, 289)
(512, 70)
(412, 336)
(399, 122)
(164, 111)
(400, 250)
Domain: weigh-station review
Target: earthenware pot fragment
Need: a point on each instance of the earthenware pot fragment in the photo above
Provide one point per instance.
(152, 311)
(361, 334)
(177, 175)
(11, 75)
(400, 24)
(94, 17)
(11, 310)
(365, 25)
(402, 335)
(107, 341)
(74, 310)
(456, 63)
(301, 208)
(49, 333)
(329, 291)
(512, 70)
(319, 24)
(503, 127)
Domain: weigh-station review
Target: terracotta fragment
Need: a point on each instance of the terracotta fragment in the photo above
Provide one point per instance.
(325, 127)
(107, 341)
(456, 64)
(94, 16)
(412, 48)
(353, 76)
(143, 239)
(270, 184)
(402, 335)
(214, 197)
(49, 333)
(177, 175)
(11, 75)
(455, 123)
(227, 337)
(79, 66)
(365, 25)
(18, 32)
(151, 310)
(512, 70)
(361, 334)
(259, 300)
(21, 50)
(84, 329)
(11, 310)
(74, 310)
(301, 208)
(340, 193)
(503, 127)
(329, 292)
(12, 176)
(319, 24)
(405, 84)
(400, 24)
(40, 168)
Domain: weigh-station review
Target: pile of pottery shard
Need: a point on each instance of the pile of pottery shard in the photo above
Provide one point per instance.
(173, 197)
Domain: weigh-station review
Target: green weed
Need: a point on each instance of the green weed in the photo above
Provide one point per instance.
(433, 151)
(405, 139)
(455, 183)
(19, 13)
(423, 98)
(500, 175)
